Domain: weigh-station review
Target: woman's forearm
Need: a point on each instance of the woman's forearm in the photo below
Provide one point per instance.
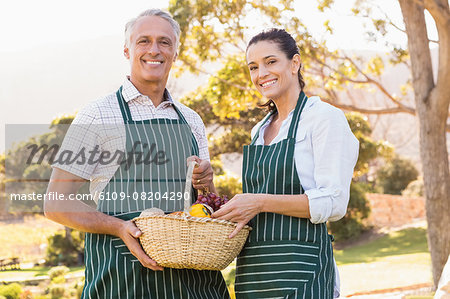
(290, 205)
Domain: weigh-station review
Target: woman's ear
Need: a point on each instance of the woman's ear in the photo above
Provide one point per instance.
(296, 63)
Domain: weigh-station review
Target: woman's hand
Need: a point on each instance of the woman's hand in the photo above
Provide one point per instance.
(202, 176)
(240, 209)
(129, 234)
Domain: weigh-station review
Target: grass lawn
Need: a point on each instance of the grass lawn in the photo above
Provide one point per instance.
(26, 238)
(403, 242)
(18, 275)
(398, 259)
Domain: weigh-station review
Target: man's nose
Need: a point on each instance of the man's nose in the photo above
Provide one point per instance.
(153, 49)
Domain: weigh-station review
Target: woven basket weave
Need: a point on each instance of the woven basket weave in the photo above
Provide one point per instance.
(178, 241)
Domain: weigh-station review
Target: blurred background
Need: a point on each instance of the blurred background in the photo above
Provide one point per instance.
(57, 56)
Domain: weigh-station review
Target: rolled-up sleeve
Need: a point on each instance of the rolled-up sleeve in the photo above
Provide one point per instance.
(334, 154)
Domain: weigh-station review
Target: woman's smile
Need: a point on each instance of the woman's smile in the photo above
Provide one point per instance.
(268, 83)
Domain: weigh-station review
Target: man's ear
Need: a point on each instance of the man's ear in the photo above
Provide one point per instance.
(126, 52)
(175, 57)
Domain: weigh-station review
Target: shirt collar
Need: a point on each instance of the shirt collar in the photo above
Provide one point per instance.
(311, 101)
(130, 92)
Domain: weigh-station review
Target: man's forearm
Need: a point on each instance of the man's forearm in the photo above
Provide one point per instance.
(78, 215)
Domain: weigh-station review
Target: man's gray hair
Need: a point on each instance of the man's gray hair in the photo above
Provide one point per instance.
(153, 12)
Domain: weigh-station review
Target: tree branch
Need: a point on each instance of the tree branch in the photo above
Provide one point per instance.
(370, 111)
(368, 80)
(397, 27)
(439, 11)
(218, 78)
(381, 87)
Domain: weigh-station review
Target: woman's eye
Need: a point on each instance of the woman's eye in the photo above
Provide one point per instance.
(252, 68)
(271, 61)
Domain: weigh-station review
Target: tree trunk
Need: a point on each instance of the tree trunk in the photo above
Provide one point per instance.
(432, 104)
(68, 234)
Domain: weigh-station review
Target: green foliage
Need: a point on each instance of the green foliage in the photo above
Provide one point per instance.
(230, 141)
(217, 166)
(324, 4)
(79, 288)
(11, 291)
(399, 55)
(213, 34)
(228, 185)
(57, 291)
(351, 225)
(64, 250)
(19, 166)
(56, 272)
(395, 176)
(368, 148)
(375, 66)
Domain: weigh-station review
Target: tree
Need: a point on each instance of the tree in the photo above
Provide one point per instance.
(213, 32)
(432, 103)
(21, 175)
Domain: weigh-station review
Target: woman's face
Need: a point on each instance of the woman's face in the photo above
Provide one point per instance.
(270, 69)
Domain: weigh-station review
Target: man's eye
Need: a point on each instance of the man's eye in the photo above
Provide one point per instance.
(165, 43)
(142, 41)
(252, 68)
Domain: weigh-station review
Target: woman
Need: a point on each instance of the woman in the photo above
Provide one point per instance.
(296, 176)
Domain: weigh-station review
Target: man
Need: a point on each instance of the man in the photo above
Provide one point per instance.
(116, 265)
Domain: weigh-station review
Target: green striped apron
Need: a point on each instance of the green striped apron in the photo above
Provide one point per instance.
(284, 256)
(111, 270)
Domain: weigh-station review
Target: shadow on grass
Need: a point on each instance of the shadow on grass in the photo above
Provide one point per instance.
(407, 241)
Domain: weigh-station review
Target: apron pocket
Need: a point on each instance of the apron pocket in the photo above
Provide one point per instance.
(123, 250)
(276, 268)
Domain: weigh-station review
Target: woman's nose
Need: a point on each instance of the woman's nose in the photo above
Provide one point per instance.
(262, 72)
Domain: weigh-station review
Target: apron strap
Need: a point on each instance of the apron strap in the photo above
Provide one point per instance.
(126, 114)
(263, 122)
(124, 109)
(302, 98)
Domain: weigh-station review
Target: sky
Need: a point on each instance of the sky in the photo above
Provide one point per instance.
(28, 23)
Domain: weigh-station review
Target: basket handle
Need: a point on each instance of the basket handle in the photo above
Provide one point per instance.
(188, 187)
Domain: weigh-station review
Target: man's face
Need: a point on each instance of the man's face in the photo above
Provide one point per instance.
(151, 50)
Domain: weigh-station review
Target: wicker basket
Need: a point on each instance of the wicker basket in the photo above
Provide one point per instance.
(178, 241)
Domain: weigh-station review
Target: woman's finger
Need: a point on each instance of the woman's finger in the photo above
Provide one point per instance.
(225, 209)
(237, 229)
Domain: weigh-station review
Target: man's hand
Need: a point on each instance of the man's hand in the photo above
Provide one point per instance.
(129, 234)
(202, 176)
